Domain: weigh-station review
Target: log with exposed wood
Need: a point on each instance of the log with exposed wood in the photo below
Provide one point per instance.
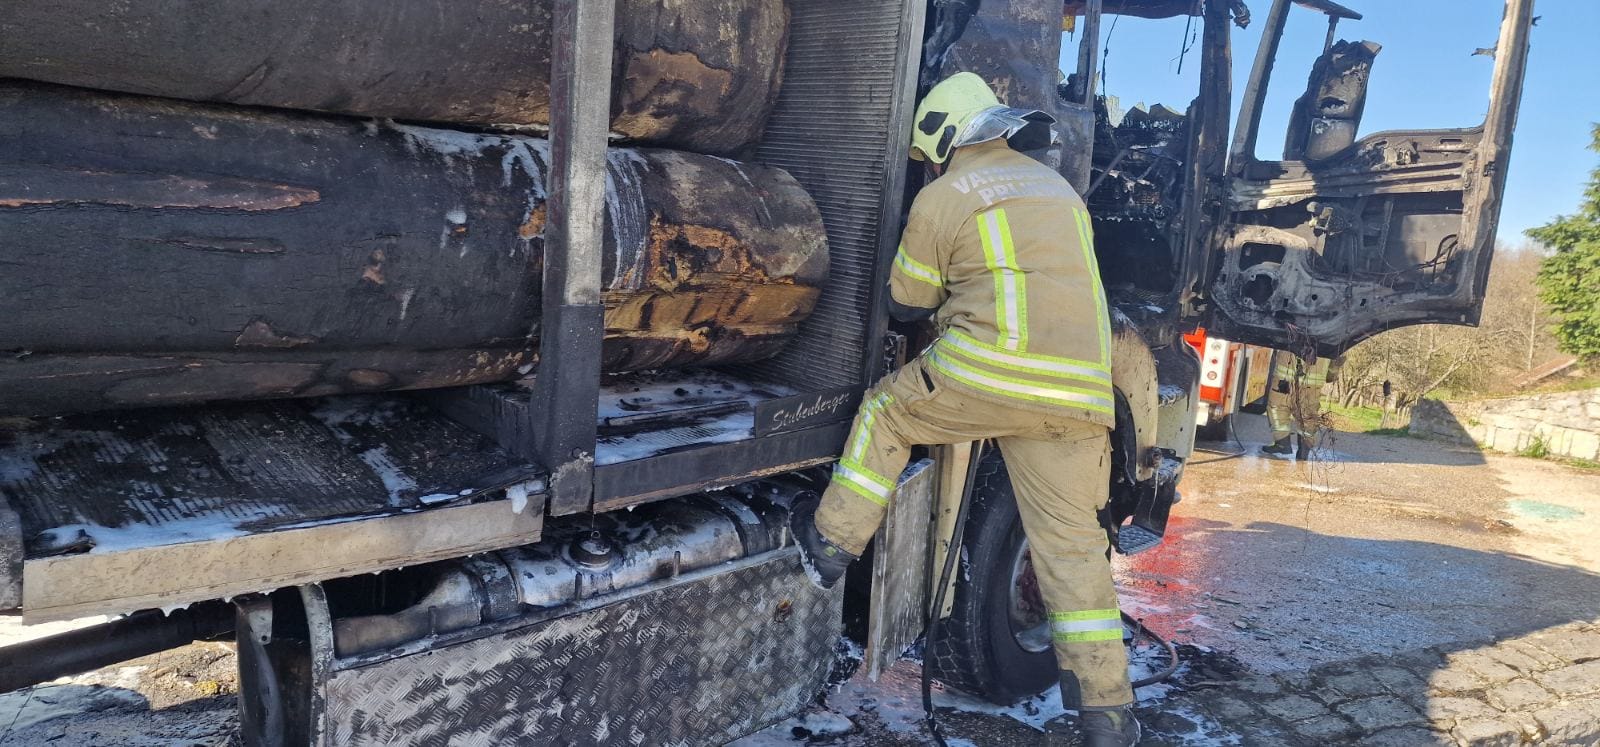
(156, 252)
(698, 75)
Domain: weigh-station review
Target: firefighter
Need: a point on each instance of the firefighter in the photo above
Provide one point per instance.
(1294, 403)
(998, 249)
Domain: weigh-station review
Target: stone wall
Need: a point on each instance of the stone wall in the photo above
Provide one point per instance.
(1568, 423)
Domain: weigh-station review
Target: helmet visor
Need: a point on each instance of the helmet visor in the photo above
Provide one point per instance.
(1023, 129)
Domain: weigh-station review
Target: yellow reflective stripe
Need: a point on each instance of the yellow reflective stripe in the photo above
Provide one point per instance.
(860, 470)
(1074, 370)
(869, 416)
(1046, 359)
(1005, 385)
(861, 490)
(1086, 626)
(917, 270)
(1016, 277)
(1089, 636)
(1087, 615)
(1086, 239)
(999, 257)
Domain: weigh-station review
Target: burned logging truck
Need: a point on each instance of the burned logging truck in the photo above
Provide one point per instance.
(460, 359)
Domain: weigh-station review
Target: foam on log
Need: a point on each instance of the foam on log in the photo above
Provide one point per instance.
(161, 252)
(696, 76)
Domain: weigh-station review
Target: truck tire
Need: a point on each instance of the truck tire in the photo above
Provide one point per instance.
(996, 642)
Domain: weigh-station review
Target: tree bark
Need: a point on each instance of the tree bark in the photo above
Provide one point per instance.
(164, 252)
(698, 76)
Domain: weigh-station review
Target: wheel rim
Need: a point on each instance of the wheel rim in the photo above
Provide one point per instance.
(1030, 625)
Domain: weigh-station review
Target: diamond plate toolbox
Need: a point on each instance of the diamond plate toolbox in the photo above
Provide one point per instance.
(699, 662)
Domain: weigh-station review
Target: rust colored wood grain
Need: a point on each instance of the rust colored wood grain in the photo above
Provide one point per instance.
(163, 252)
(698, 75)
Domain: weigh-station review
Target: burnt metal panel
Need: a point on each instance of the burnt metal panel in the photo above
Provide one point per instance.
(238, 467)
(901, 570)
(681, 472)
(219, 497)
(698, 662)
(153, 575)
(10, 556)
(807, 410)
(842, 127)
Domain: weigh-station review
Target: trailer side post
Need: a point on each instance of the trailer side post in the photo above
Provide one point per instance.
(567, 386)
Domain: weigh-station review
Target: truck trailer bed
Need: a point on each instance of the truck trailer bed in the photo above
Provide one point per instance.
(118, 511)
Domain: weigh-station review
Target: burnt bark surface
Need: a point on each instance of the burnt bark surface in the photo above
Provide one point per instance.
(159, 252)
(698, 76)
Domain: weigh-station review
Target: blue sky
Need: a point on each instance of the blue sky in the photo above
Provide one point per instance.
(1425, 77)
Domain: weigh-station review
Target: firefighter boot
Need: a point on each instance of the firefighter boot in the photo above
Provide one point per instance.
(823, 561)
(1283, 448)
(1114, 727)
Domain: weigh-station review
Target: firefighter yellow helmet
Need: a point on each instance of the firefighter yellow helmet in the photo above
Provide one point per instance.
(961, 110)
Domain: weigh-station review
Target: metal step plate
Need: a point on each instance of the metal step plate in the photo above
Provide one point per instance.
(701, 660)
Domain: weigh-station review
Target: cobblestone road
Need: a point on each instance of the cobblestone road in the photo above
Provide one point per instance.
(1389, 592)
(1538, 688)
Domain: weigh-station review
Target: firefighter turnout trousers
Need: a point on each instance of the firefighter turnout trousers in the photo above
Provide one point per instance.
(1294, 403)
(1060, 470)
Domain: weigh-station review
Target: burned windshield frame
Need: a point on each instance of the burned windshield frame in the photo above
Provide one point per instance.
(1255, 92)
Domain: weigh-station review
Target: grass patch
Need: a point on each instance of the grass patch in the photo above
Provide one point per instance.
(1403, 431)
(1361, 420)
(1536, 449)
(1576, 463)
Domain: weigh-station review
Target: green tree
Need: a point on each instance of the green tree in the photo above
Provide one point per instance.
(1569, 280)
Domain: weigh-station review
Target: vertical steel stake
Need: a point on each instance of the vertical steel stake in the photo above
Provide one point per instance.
(566, 388)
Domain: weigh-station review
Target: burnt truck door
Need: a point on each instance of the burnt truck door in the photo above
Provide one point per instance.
(1347, 237)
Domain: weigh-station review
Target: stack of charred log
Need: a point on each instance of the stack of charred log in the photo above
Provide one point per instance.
(204, 201)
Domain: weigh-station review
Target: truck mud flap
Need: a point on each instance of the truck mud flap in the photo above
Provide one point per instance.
(699, 659)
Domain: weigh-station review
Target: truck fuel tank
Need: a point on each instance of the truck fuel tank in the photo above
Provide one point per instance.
(695, 627)
(162, 252)
(580, 559)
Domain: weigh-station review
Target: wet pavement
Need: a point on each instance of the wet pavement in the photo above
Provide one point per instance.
(1280, 574)
(1285, 581)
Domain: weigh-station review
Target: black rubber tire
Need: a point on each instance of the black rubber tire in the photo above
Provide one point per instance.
(976, 651)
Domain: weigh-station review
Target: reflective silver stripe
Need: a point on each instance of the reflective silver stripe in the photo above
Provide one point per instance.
(869, 416)
(996, 245)
(1016, 387)
(917, 270)
(861, 469)
(862, 479)
(1082, 626)
(1031, 364)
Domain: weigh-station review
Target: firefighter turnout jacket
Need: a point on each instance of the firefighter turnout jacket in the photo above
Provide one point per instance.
(1000, 248)
(1003, 248)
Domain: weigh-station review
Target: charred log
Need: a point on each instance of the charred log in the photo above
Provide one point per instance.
(698, 76)
(159, 252)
